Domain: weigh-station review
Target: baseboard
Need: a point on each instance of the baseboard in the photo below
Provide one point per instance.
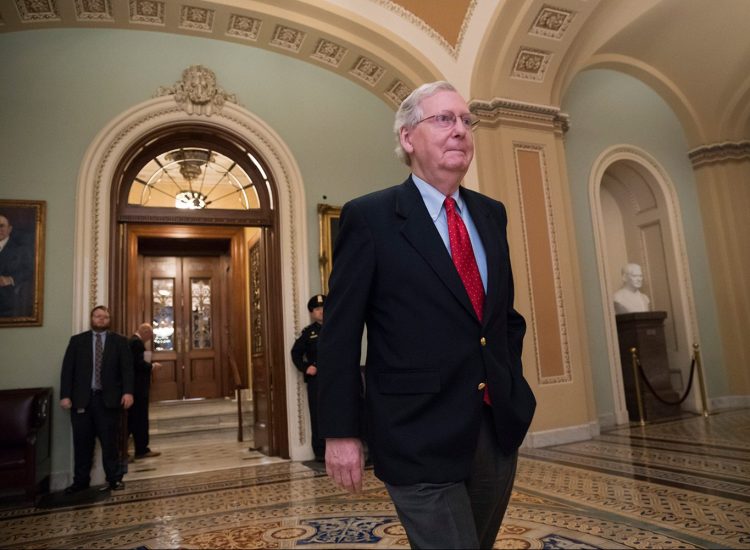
(607, 421)
(729, 402)
(559, 436)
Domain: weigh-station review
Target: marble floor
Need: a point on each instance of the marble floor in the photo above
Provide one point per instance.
(675, 484)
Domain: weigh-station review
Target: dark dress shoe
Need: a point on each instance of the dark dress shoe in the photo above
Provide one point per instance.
(73, 489)
(113, 486)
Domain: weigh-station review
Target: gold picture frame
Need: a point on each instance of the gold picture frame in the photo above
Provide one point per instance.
(22, 223)
(328, 218)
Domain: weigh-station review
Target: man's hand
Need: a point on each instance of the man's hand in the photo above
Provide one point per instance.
(6, 280)
(311, 370)
(66, 403)
(156, 365)
(345, 462)
(127, 400)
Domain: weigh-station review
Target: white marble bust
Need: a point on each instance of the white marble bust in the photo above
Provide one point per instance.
(629, 298)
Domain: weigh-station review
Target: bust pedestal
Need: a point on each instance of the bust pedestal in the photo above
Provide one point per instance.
(645, 332)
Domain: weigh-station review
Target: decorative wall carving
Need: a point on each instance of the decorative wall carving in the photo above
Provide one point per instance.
(329, 52)
(397, 92)
(149, 12)
(287, 38)
(367, 70)
(94, 10)
(531, 64)
(197, 92)
(196, 19)
(720, 152)
(34, 11)
(244, 27)
(551, 22)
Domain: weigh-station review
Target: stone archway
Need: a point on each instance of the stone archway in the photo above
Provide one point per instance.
(636, 217)
(92, 245)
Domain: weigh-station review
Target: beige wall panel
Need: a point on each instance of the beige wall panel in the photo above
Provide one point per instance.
(533, 187)
(540, 258)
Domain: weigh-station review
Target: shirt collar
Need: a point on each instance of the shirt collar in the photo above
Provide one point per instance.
(433, 199)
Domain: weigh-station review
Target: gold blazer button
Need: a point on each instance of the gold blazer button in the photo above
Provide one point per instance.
(483, 341)
(481, 386)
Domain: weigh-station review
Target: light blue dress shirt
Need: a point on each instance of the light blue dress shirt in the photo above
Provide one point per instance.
(433, 200)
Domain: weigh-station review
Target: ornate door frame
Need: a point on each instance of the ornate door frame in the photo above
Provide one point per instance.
(93, 214)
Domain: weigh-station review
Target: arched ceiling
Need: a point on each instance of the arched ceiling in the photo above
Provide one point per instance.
(695, 53)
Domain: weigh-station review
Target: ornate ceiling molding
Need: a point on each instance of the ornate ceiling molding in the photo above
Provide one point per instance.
(452, 49)
(384, 69)
(531, 63)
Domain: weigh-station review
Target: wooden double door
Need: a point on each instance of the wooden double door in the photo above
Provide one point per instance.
(184, 298)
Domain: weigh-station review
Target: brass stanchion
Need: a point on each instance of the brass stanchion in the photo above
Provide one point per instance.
(634, 355)
(699, 365)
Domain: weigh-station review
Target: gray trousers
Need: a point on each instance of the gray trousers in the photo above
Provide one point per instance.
(463, 514)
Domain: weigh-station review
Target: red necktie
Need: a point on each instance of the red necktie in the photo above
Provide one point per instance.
(465, 262)
(463, 257)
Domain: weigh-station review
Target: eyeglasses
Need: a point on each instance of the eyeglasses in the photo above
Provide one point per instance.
(446, 119)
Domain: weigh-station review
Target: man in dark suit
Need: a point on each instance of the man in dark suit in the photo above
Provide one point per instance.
(447, 405)
(95, 395)
(138, 424)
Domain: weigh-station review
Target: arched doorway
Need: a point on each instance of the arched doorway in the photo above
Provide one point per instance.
(637, 219)
(194, 241)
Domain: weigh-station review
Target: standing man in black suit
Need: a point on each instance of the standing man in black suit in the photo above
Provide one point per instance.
(425, 267)
(138, 413)
(96, 383)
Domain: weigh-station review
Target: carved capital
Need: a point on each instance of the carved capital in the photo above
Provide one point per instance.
(719, 152)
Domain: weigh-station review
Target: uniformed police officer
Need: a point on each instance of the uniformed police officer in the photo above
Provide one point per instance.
(305, 358)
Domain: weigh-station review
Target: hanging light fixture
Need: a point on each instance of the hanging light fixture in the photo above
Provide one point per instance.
(191, 162)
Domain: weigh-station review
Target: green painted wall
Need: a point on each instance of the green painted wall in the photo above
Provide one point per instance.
(60, 87)
(609, 108)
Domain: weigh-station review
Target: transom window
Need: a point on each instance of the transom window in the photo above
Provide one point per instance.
(196, 178)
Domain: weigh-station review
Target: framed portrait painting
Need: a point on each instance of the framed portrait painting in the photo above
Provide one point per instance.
(21, 262)
(328, 217)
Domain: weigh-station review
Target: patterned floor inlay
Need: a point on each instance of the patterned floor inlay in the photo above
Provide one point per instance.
(678, 484)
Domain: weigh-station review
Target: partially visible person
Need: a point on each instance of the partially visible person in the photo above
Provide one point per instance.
(629, 298)
(424, 266)
(16, 271)
(138, 423)
(305, 358)
(95, 385)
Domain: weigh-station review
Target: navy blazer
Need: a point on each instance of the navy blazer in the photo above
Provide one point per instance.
(427, 352)
(78, 367)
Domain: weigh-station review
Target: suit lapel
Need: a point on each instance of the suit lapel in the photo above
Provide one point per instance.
(419, 229)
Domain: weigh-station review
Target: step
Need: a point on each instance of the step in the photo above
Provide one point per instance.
(178, 422)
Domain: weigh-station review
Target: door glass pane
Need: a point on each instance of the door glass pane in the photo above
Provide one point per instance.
(162, 292)
(200, 299)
